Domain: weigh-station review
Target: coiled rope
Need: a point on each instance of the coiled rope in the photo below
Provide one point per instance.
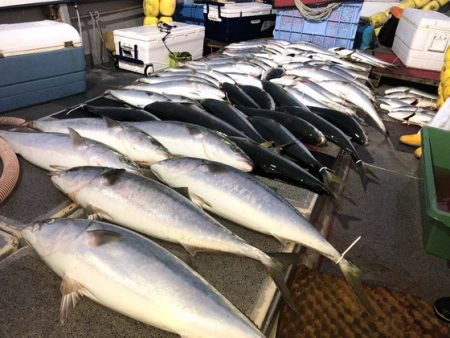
(11, 170)
(318, 13)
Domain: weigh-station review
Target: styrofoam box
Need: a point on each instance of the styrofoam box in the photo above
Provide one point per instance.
(421, 39)
(236, 10)
(37, 36)
(142, 50)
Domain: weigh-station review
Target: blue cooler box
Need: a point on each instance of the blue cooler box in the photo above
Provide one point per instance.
(232, 22)
(42, 61)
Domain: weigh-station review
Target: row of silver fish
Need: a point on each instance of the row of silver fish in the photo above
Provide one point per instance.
(409, 105)
(97, 163)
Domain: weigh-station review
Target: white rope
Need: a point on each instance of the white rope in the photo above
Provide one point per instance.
(316, 14)
(348, 249)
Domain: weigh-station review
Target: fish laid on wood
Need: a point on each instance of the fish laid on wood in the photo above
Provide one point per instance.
(147, 283)
(222, 190)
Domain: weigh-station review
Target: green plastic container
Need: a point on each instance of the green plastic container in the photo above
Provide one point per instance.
(435, 166)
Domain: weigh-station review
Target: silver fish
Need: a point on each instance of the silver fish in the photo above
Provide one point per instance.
(190, 89)
(51, 151)
(223, 191)
(187, 77)
(243, 79)
(352, 94)
(130, 274)
(317, 74)
(184, 139)
(128, 140)
(417, 118)
(136, 98)
(153, 209)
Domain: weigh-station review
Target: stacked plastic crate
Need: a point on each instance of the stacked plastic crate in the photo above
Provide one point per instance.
(189, 12)
(338, 30)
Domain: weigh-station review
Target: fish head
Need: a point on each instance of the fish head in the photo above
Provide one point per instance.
(219, 148)
(72, 180)
(49, 236)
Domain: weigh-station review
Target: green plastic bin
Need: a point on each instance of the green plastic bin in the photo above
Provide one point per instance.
(435, 166)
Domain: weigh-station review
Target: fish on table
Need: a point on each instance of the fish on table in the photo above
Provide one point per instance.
(153, 209)
(186, 139)
(132, 275)
(128, 140)
(53, 151)
(222, 190)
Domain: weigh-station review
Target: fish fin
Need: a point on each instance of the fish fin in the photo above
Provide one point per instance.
(267, 144)
(352, 275)
(92, 212)
(329, 178)
(192, 250)
(76, 138)
(279, 148)
(281, 240)
(112, 175)
(200, 202)
(185, 257)
(57, 168)
(275, 270)
(363, 171)
(216, 168)
(102, 237)
(71, 291)
(183, 191)
(110, 123)
(286, 258)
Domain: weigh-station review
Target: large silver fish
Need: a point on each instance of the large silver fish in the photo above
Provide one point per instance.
(184, 139)
(352, 94)
(190, 89)
(130, 274)
(153, 209)
(128, 140)
(136, 98)
(181, 77)
(241, 198)
(51, 151)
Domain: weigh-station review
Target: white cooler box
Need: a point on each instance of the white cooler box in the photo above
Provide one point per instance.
(422, 38)
(39, 61)
(142, 50)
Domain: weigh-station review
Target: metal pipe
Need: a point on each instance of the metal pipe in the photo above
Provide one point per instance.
(113, 11)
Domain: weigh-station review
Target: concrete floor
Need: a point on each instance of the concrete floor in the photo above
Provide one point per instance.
(388, 217)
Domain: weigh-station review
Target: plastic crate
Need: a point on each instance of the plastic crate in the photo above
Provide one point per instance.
(435, 170)
(190, 13)
(338, 30)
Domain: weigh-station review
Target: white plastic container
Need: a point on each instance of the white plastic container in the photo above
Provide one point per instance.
(37, 36)
(421, 39)
(236, 10)
(142, 49)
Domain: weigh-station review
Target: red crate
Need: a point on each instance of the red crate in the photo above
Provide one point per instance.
(291, 3)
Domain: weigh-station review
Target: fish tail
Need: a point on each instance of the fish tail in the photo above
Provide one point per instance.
(352, 275)
(275, 270)
(364, 171)
(329, 177)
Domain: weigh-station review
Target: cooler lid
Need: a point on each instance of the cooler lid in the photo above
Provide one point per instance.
(233, 10)
(153, 33)
(36, 36)
(426, 19)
